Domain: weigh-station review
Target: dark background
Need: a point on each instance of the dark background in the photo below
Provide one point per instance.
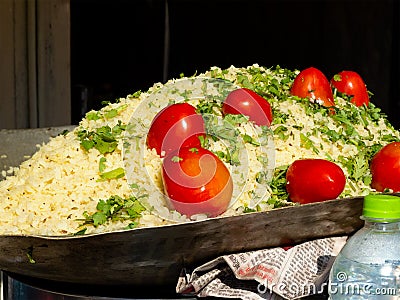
(121, 46)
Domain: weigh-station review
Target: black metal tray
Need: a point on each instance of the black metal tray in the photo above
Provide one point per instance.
(155, 255)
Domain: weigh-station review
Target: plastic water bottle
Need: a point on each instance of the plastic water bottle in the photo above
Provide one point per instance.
(368, 266)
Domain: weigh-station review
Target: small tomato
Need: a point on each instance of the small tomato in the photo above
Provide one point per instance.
(314, 180)
(385, 168)
(248, 103)
(177, 125)
(196, 182)
(351, 84)
(311, 83)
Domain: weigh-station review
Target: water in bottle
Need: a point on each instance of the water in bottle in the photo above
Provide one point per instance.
(368, 266)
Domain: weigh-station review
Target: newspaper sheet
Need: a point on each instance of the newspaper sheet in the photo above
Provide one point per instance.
(276, 273)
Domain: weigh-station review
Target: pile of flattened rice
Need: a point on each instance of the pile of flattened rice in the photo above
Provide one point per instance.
(77, 183)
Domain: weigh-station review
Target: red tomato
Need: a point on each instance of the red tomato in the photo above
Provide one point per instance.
(385, 168)
(196, 181)
(311, 83)
(314, 180)
(246, 102)
(175, 126)
(351, 84)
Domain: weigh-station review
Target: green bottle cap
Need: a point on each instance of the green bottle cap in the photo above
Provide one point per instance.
(381, 206)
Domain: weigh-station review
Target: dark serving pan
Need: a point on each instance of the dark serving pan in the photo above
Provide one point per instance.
(156, 255)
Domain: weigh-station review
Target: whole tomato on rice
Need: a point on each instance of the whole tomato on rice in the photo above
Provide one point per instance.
(196, 182)
(247, 102)
(177, 125)
(314, 180)
(311, 83)
(351, 84)
(385, 168)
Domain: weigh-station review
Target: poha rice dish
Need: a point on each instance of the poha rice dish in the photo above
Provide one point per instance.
(100, 177)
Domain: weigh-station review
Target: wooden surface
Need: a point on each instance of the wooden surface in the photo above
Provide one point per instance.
(53, 59)
(35, 63)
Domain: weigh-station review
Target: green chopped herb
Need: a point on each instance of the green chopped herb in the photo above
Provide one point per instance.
(194, 150)
(278, 184)
(233, 156)
(221, 155)
(244, 81)
(80, 232)
(203, 141)
(104, 138)
(87, 144)
(93, 115)
(221, 130)
(358, 166)
(114, 208)
(208, 106)
(132, 225)
(279, 117)
(29, 254)
(105, 102)
(248, 210)
(99, 218)
(102, 164)
(281, 131)
(134, 186)
(111, 113)
(176, 159)
(262, 177)
(64, 132)
(135, 94)
(337, 77)
(305, 142)
(248, 139)
(113, 174)
(236, 119)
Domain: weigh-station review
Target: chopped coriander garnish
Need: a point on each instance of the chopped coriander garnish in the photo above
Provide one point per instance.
(80, 232)
(102, 164)
(104, 139)
(113, 174)
(110, 113)
(244, 81)
(236, 119)
(114, 208)
(208, 106)
(247, 210)
(279, 117)
(29, 254)
(203, 141)
(93, 115)
(176, 159)
(278, 184)
(281, 131)
(305, 142)
(194, 150)
(64, 132)
(337, 77)
(134, 186)
(248, 139)
(135, 94)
